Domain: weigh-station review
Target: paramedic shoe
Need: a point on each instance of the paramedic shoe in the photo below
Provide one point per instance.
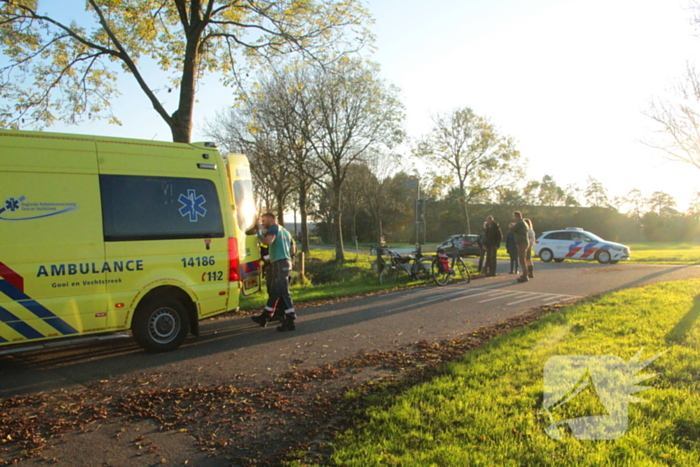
(287, 325)
(278, 316)
(261, 320)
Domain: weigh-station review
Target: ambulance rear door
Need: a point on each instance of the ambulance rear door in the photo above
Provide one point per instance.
(244, 213)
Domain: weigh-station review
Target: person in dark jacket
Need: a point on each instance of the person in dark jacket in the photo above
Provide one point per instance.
(492, 241)
(512, 249)
(480, 242)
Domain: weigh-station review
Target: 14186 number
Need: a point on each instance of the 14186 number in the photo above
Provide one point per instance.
(198, 262)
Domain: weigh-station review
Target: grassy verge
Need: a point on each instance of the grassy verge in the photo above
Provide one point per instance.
(485, 410)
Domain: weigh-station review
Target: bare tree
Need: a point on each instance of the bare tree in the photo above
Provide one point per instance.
(596, 194)
(470, 147)
(378, 201)
(352, 111)
(662, 203)
(240, 130)
(635, 203)
(279, 100)
(678, 120)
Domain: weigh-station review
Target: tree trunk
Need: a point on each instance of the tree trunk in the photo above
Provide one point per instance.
(280, 210)
(354, 226)
(181, 126)
(304, 222)
(337, 223)
(465, 209)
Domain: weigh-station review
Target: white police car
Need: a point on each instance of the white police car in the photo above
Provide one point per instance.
(576, 243)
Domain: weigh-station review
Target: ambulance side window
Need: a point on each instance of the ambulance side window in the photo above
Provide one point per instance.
(159, 208)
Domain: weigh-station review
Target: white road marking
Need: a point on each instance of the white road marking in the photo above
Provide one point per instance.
(521, 296)
(487, 291)
(501, 295)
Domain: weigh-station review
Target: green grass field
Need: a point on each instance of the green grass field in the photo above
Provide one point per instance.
(651, 252)
(654, 253)
(683, 253)
(486, 409)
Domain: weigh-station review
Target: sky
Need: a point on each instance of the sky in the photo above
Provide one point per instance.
(568, 80)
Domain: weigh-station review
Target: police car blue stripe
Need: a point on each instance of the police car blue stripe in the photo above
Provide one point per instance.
(20, 326)
(588, 247)
(35, 307)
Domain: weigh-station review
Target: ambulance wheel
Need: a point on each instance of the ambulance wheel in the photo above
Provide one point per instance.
(546, 255)
(160, 324)
(603, 256)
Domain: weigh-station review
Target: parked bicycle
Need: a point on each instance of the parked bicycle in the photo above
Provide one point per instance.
(446, 268)
(414, 266)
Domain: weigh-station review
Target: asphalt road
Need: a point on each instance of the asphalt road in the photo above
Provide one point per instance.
(233, 349)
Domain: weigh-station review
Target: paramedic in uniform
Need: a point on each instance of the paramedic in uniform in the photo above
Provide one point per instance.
(281, 245)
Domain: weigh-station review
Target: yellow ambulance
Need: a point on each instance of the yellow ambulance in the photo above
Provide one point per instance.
(101, 235)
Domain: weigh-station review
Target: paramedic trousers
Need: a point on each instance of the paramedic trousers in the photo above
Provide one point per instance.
(278, 290)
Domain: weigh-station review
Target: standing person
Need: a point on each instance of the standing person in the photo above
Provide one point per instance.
(281, 245)
(512, 249)
(492, 241)
(528, 256)
(519, 229)
(480, 242)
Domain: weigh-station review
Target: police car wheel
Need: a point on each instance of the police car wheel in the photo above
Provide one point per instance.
(558, 260)
(546, 255)
(603, 256)
(160, 324)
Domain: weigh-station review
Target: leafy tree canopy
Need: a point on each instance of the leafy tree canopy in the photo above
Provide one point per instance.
(57, 70)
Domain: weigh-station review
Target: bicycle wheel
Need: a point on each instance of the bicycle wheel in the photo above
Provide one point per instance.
(440, 277)
(462, 271)
(388, 275)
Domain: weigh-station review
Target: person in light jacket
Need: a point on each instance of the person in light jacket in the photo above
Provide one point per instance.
(528, 255)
